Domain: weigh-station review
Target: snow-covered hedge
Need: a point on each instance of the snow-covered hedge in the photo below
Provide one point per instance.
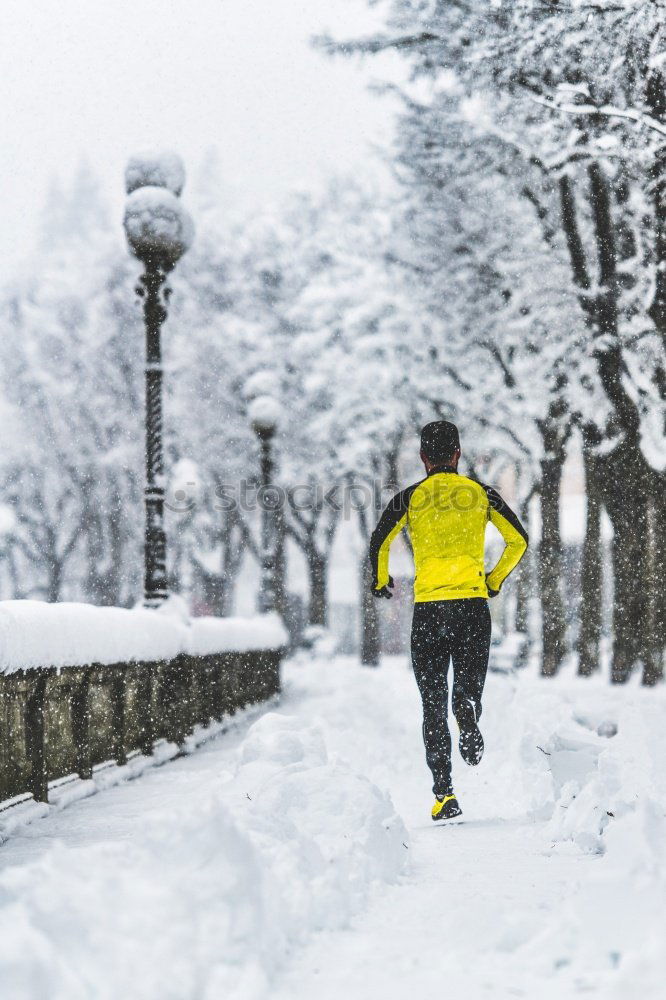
(36, 635)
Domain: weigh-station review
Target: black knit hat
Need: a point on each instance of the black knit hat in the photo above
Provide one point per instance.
(439, 440)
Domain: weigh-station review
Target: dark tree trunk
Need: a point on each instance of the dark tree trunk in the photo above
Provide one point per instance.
(218, 589)
(524, 586)
(653, 671)
(281, 595)
(523, 593)
(555, 430)
(105, 550)
(318, 606)
(370, 617)
(623, 493)
(658, 587)
(370, 640)
(659, 503)
(225, 597)
(223, 589)
(314, 534)
(589, 635)
(638, 626)
(655, 93)
(623, 477)
(54, 582)
(553, 624)
(216, 594)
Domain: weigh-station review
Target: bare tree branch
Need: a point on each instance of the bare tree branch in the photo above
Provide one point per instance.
(376, 43)
(603, 110)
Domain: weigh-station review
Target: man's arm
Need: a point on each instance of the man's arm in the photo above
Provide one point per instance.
(514, 535)
(389, 526)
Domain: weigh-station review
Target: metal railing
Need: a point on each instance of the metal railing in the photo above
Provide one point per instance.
(57, 722)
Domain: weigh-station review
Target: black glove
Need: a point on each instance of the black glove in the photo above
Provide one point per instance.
(385, 591)
(491, 592)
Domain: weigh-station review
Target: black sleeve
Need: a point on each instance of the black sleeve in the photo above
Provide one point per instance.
(390, 524)
(499, 506)
(514, 535)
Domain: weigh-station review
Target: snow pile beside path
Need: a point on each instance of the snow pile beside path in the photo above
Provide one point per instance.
(519, 718)
(576, 754)
(205, 905)
(34, 634)
(337, 823)
(612, 801)
(600, 779)
(585, 762)
(609, 937)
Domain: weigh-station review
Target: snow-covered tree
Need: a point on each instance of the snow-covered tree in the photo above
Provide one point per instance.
(71, 447)
(568, 102)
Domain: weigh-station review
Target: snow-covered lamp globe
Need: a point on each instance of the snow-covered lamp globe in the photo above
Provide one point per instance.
(263, 382)
(157, 226)
(264, 413)
(159, 229)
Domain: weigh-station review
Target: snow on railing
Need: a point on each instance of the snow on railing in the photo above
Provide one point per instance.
(35, 635)
(82, 685)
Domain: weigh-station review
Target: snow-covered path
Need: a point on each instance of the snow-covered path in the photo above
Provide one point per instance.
(271, 862)
(473, 891)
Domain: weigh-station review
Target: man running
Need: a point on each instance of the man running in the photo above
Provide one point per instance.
(446, 516)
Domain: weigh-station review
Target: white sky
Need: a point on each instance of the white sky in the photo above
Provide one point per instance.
(100, 79)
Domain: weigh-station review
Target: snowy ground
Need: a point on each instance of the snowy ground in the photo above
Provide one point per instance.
(294, 857)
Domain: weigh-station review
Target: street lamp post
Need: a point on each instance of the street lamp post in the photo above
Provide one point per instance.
(158, 231)
(264, 414)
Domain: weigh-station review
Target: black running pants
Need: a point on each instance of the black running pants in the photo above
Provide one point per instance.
(455, 631)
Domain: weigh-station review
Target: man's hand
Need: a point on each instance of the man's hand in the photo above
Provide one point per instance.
(491, 592)
(385, 591)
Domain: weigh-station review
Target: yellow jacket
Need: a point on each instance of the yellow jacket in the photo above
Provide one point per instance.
(446, 516)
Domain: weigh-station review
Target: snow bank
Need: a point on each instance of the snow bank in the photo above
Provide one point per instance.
(208, 903)
(585, 763)
(34, 635)
(602, 765)
(611, 801)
